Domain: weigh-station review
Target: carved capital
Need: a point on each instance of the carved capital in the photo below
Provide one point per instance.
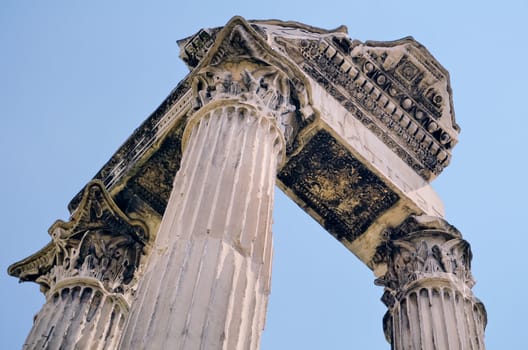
(428, 287)
(100, 243)
(238, 62)
(423, 250)
(262, 86)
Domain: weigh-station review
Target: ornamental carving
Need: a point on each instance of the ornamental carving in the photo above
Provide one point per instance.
(423, 248)
(396, 89)
(337, 186)
(261, 86)
(98, 243)
(237, 62)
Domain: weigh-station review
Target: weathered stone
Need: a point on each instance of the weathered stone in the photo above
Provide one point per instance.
(353, 132)
(87, 272)
(212, 257)
(428, 288)
(390, 141)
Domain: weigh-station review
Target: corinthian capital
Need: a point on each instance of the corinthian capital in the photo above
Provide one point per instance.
(262, 85)
(428, 288)
(424, 250)
(99, 245)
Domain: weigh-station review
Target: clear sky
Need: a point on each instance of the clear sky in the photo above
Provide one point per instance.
(77, 77)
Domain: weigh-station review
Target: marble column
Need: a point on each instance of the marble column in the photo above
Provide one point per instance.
(86, 274)
(207, 282)
(428, 289)
(79, 316)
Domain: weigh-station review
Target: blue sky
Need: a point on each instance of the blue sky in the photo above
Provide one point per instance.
(78, 77)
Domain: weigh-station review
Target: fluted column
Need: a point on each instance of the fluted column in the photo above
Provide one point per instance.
(87, 273)
(79, 316)
(208, 279)
(428, 289)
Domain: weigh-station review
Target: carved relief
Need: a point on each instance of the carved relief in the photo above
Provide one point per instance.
(111, 260)
(194, 49)
(396, 89)
(242, 65)
(262, 86)
(428, 288)
(99, 243)
(153, 182)
(411, 261)
(140, 145)
(334, 184)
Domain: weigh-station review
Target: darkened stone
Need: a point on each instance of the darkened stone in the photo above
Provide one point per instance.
(333, 183)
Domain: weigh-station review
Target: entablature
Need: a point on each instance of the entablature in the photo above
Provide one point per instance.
(378, 112)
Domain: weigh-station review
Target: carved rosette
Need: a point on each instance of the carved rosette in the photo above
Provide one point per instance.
(428, 288)
(396, 89)
(87, 273)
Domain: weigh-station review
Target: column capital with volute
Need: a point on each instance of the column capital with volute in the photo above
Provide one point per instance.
(428, 285)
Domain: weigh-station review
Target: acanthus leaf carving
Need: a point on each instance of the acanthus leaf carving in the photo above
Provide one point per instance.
(260, 85)
(415, 253)
(99, 243)
(244, 66)
(428, 273)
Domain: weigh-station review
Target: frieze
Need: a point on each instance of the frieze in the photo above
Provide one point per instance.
(388, 110)
(338, 187)
(194, 48)
(403, 98)
(393, 88)
(153, 182)
(367, 121)
(238, 40)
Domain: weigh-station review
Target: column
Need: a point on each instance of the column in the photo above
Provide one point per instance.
(78, 317)
(86, 273)
(208, 279)
(428, 289)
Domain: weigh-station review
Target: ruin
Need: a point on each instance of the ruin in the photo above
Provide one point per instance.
(170, 245)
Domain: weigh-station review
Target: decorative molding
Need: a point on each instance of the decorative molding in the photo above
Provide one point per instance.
(396, 89)
(143, 142)
(153, 183)
(193, 49)
(250, 88)
(241, 45)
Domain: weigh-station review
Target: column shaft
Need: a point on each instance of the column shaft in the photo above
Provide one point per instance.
(207, 283)
(78, 318)
(437, 318)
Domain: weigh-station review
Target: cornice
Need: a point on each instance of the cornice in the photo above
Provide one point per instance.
(398, 91)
